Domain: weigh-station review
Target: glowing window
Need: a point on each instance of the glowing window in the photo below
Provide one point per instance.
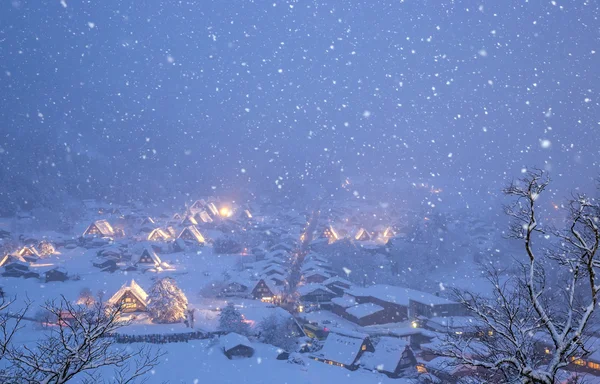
(593, 365)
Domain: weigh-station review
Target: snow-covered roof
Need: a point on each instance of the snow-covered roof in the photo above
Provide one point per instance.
(232, 340)
(103, 227)
(317, 272)
(147, 251)
(135, 289)
(158, 234)
(454, 322)
(445, 364)
(282, 246)
(340, 348)
(205, 217)
(362, 310)
(280, 253)
(275, 290)
(336, 280)
(189, 220)
(362, 234)
(344, 301)
(387, 355)
(191, 232)
(274, 268)
(398, 295)
(310, 288)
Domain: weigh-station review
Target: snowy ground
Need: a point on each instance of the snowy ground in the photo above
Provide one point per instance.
(202, 361)
(198, 362)
(192, 271)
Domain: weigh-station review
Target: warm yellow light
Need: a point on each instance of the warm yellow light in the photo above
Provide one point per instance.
(225, 212)
(414, 324)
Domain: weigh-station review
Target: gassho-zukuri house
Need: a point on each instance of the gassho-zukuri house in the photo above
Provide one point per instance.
(132, 297)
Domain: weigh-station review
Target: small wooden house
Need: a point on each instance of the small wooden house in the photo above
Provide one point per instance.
(100, 228)
(344, 349)
(148, 257)
(392, 357)
(362, 235)
(266, 291)
(388, 233)
(315, 276)
(235, 345)
(56, 274)
(191, 234)
(132, 297)
(198, 205)
(337, 285)
(28, 251)
(331, 234)
(189, 221)
(148, 221)
(159, 234)
(315, 293)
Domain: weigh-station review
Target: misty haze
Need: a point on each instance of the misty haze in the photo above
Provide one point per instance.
(247, 191)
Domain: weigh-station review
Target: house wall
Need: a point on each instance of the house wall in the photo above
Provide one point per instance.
(392, 312)
(315, 279)
(422, 309)
(131, 303)
(240, 350)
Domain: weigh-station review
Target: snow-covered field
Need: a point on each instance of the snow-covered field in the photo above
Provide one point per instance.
(198, 362)
(193, 271)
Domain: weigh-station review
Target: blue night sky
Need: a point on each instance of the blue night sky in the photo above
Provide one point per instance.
(462, 94)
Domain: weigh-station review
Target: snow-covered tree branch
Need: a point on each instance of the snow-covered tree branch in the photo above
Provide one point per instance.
(532, 340)
(78, 344)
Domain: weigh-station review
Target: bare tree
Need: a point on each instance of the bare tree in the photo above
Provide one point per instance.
(538, 325)
(79, 345)
(10, 324)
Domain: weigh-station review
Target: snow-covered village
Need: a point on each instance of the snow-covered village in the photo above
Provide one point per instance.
(299, 192)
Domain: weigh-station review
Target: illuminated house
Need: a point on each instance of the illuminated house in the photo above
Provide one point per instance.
(189, 220)
(29, 253)
(191, 234)
(99, 228)
(331, 234)
(148, 221)
(203, 217)
(198, 205)
(344, 349)
(392, 357)
(148, 257)
(132, 297)
(212, 210)
(176, 217)
(158, 234)
(362, 235)
(266, 291)
(389, 232)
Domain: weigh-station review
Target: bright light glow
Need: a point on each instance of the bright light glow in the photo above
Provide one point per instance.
(414, 324)
(225, 212)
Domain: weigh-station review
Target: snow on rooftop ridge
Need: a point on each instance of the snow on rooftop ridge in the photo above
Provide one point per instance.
(310, 288)
(398, 295)
(387, 355)
(363, 310)
(344, 301)
(341, 348)
(232, 340)
(134, 288)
